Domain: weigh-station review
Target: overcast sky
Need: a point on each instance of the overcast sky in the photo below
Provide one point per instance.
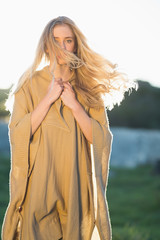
(126, 32)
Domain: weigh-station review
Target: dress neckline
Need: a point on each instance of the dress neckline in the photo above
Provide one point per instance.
(49, 74)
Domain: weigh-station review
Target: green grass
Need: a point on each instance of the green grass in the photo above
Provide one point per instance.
(134, 203)
(133, 197)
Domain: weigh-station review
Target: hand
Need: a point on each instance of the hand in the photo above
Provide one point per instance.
(55, 89)
(68, 96)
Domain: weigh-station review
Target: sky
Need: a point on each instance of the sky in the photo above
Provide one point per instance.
(126, 32)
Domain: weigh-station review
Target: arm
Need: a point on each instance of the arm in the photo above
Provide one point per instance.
(39, 113)
(83, 120)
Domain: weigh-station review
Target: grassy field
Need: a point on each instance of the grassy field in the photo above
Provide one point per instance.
(133, 198)
(134, 203)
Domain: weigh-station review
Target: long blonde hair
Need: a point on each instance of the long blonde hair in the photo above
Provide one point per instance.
(98, 80)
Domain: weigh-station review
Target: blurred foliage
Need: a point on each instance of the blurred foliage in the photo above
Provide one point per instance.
(140, 109)
(4, 185)
(3, 96)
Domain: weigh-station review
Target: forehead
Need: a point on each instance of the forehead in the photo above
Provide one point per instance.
(62, 30)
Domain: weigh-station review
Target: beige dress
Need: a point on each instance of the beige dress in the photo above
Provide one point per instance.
(53, 170)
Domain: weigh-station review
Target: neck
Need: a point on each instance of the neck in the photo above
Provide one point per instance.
(61, 71)
(63, 68)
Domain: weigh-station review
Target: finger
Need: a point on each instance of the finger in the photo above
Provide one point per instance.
(58, 80)
(70, 85)
(67, 85)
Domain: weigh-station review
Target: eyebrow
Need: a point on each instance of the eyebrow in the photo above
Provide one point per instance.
(65, 37)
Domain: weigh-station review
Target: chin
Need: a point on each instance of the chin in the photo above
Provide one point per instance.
(61, 61)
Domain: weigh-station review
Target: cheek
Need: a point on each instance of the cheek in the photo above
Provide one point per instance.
(71, 47)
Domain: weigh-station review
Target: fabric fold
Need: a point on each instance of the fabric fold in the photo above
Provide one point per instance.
(21, 162)
(101, 150)
(59, 106)
(18, 174)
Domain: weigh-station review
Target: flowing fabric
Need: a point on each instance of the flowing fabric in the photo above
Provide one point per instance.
(57, 188)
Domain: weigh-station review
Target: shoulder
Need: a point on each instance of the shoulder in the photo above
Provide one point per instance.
(30, 80)
(26, 91)
(36, 81)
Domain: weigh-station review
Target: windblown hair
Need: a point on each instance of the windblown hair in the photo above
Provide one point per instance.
(98, 81)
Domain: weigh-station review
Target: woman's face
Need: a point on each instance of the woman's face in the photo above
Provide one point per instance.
(64, 36)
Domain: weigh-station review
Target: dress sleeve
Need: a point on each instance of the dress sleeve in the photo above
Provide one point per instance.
(19, 137)
(102, 142)
(101, 149)
(19, 134)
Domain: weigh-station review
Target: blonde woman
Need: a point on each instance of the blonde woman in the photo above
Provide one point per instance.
(61, 141)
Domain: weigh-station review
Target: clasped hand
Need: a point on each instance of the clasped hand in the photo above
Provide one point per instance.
(68, 95)
(63, 90)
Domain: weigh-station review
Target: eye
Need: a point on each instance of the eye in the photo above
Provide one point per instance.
(69, 40)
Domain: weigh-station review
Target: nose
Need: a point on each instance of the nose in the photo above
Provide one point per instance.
(63, 45)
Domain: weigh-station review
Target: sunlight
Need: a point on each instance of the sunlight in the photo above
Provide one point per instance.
(9, 104)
